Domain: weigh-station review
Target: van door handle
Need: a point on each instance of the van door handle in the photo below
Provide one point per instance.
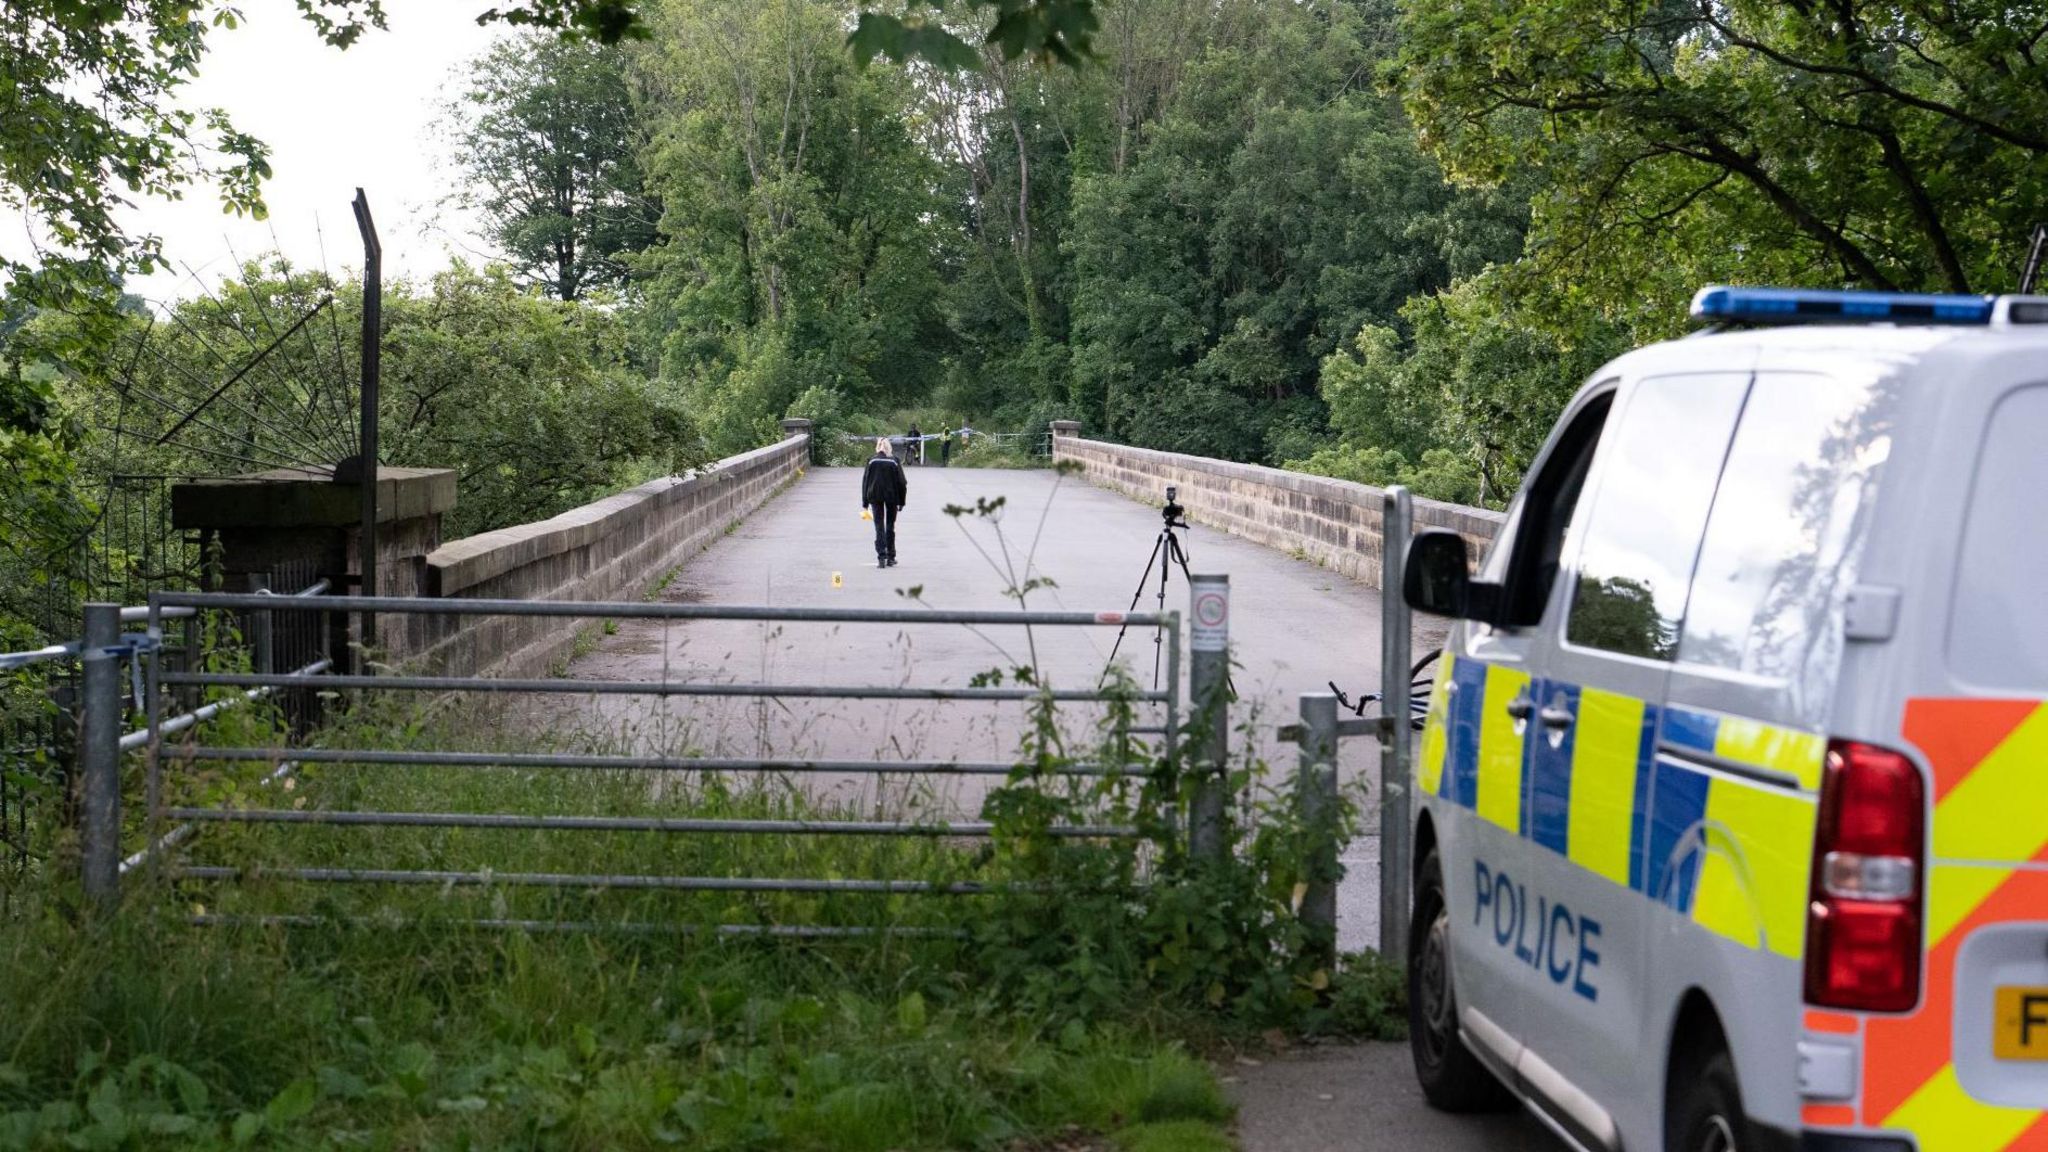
(1556, 719)
(1521, 708)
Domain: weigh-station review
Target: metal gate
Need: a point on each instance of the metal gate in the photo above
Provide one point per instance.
(273, 800)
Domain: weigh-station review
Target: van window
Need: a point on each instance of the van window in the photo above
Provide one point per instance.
(1656, 480)
(1775, 567)
(1999, 616)
(1543, 515)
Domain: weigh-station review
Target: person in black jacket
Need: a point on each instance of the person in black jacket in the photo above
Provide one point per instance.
(882, 491)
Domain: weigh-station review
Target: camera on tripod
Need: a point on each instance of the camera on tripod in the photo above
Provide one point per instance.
(1167, 553)
(1174, 514)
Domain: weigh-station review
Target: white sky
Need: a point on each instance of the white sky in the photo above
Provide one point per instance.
(334, 121)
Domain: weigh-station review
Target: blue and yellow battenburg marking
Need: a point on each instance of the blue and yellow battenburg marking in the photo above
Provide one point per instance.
(1731, 855)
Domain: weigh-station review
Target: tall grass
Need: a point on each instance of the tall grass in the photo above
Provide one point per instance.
(417, 1036)
(383, 1017)
(1071, 993)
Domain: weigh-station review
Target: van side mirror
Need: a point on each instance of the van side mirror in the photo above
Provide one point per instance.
(1438, 579)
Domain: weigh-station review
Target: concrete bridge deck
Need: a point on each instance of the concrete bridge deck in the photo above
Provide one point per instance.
(1294, 627)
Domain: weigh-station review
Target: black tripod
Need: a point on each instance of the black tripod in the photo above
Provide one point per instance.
(1169, 545)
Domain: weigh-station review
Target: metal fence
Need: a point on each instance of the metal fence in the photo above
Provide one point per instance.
(38, 692)
(171, 824)
(129, 549)
(906, 447)
(51, 697)
(41, 702)
(200, 656)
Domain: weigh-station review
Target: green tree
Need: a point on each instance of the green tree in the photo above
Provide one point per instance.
(90, 111)
(1278, 204)
(547, 138)
(1043, 31)
(41, 506)
(1011, 139)
(802, 226)
(1861, 143)
(90, 117)
(532, 401)
(1458, 408)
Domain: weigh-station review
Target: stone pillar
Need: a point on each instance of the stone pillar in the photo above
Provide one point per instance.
(797, 426)
(1065, 428)
(301, 521)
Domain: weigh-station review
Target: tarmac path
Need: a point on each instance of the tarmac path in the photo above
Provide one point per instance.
(1294, 627)
(1361, 1098)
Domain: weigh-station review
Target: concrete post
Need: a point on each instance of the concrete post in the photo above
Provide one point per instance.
(1396, 737)
(99, 757)
(1209, 692)
(1315, 795)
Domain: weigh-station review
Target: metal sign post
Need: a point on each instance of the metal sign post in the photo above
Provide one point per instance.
(1396, 734)
(1209, 690)
(373, 327)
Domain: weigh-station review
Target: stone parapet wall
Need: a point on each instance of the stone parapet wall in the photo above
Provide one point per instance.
(1335, 523)
(614, 549)
(303, 520)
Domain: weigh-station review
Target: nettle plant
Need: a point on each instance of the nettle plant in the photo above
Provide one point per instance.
(1087, 920)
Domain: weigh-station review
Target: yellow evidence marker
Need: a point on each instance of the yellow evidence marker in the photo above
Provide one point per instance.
(838, 581)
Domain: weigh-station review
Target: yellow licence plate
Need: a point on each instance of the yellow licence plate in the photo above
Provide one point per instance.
(2019, 1026)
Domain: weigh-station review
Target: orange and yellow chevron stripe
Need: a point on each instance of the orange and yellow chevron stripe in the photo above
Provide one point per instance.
(1990, 865)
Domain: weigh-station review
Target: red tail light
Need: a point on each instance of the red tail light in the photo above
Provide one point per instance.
(1869, 855)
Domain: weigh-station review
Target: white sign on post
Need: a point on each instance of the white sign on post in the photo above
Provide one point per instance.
(1210, 631)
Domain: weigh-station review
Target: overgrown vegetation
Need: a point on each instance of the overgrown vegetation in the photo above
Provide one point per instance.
(396, 1036)
(1078, 990)
(534, 403)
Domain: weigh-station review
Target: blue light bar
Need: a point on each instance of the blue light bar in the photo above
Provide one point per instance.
(1822, 306)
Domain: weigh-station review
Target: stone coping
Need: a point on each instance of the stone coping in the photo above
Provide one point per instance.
(308, 498)
(470, 561)
(1431, 513)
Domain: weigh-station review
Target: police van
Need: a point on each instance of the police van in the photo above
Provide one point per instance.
(1731, 802)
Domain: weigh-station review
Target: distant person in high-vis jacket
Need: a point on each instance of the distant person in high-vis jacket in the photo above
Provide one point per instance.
(883, 488)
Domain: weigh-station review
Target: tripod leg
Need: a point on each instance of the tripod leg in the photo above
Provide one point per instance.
(1165, 570)
(1142, 581)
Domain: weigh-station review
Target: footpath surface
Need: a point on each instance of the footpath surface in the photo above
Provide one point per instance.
(1361, 1098)
(1294, 627)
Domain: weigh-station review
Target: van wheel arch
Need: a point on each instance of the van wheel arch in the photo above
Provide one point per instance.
(1696, 1032)
(1700, 1080)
